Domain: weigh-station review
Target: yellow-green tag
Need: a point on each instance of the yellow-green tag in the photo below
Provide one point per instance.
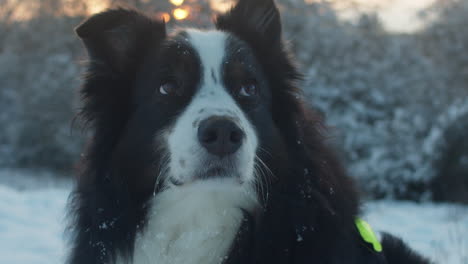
(368, 234)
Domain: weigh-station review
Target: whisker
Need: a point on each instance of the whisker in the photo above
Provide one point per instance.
(262, 180)
(264, 165)
(265, 151)
(258, 182)
(162, 168)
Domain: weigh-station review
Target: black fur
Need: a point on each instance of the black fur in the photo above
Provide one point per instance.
(397, 252)
(108, 202)
(310, 211)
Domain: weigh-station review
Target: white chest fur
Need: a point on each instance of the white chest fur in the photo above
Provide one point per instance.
(194, 224)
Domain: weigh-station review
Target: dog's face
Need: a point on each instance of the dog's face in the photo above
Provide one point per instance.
(213, 134)
(210, 89)
(187, 106)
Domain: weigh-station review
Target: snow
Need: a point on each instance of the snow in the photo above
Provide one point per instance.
(438, 230)
(31, 225)
(32, 222)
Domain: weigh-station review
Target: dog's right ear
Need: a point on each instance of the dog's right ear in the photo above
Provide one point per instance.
(119, 37)
(117, 41)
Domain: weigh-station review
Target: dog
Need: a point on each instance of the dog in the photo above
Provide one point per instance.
(204, 152)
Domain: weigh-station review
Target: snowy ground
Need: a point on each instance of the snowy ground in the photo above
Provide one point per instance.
(32, 222)
(439, 231)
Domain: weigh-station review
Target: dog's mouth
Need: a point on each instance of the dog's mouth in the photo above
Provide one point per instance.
(223, 168)
(214, 172)
(176, 182)
(218, 170)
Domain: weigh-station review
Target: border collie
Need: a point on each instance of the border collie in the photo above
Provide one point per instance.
(203, 151)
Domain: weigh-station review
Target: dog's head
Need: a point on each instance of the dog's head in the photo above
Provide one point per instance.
(187, 105)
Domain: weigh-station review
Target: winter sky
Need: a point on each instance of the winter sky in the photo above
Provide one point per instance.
(397, 15)
(402, 15)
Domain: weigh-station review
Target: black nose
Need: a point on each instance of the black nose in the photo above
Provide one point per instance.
(220, 136)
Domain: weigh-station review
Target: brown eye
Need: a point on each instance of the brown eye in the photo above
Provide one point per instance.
(169, 88)
(248, 89)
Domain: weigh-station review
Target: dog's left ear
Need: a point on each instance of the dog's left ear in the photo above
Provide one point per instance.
(254, 21)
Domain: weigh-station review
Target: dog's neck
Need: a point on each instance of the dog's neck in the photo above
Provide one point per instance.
(193, 224)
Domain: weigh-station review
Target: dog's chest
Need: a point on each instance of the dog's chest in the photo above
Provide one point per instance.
(190, 228)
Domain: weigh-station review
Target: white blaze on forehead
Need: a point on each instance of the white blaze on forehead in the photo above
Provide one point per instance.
(210, 46)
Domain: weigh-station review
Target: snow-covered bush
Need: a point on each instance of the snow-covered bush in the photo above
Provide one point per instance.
(379, 91)
(445, 41)
(38, 79)
(450, 181)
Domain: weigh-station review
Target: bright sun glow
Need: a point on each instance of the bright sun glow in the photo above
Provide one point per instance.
(165, 17)
(396, 15)
(176, 2)
(221, 5)
(180, 13)
(96, 6)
